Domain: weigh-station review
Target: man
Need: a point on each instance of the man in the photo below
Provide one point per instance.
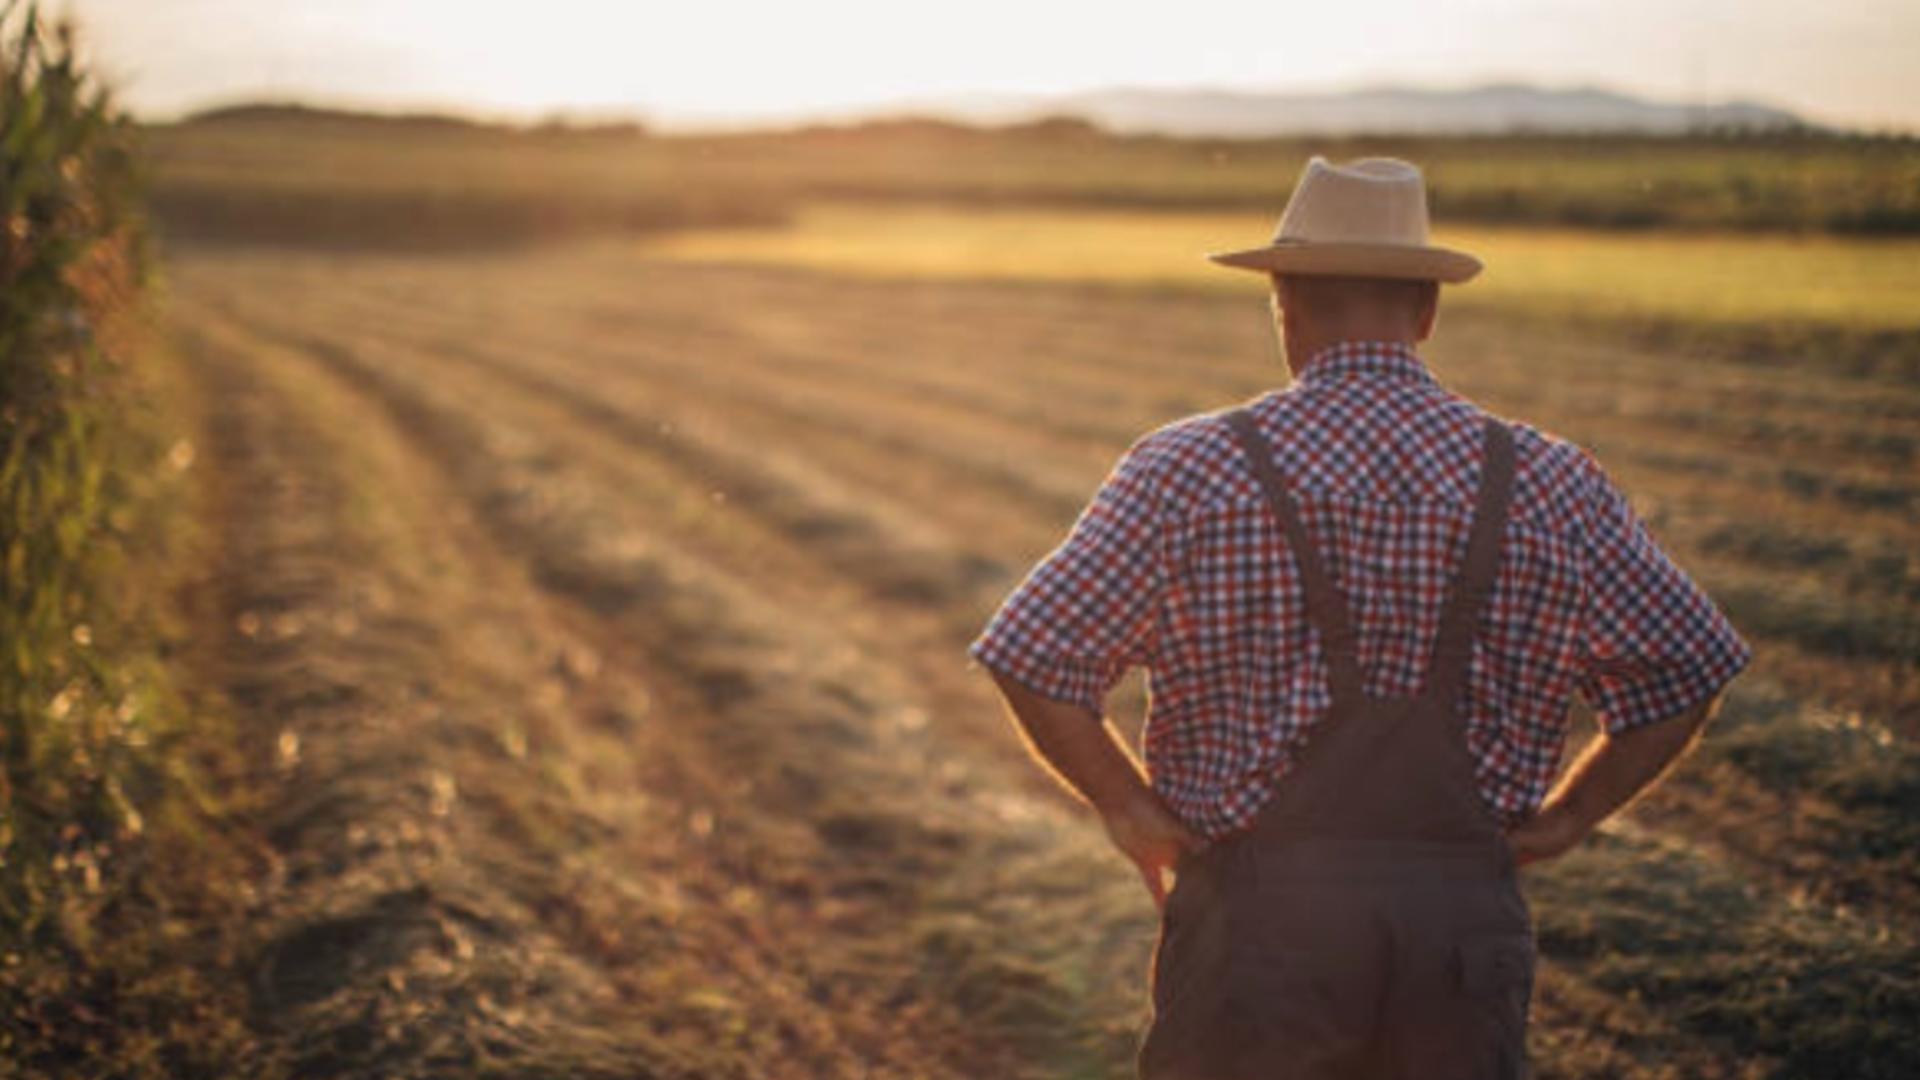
(1364, 605)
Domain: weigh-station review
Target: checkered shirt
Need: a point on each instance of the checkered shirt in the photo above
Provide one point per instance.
(1179, 566)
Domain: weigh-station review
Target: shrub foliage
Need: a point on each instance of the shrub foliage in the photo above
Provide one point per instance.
(93, 873)
(69, 273)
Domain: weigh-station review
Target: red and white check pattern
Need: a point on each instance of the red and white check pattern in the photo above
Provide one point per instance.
(1178, 565)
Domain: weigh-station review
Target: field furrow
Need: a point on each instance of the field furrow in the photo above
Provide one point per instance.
(444, 829)
(1602, 393)
(827, 560)
(778, 714)
(816, 740)
(754, 562)
(770, 528)
(1718, 513)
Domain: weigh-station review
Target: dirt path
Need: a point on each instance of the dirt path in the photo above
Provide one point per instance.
(603, 642)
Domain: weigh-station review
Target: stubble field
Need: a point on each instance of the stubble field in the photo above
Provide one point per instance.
(597, 615)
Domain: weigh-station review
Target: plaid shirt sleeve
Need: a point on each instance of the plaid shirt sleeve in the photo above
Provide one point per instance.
(1087, 612)
(1654, 643)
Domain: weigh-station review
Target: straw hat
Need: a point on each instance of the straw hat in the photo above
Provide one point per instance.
(1363, 219)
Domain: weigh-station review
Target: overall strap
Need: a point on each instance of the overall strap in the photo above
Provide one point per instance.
(1466, 603)
(1326, 610)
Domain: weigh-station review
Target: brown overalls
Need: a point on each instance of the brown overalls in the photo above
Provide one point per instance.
(1368, 923)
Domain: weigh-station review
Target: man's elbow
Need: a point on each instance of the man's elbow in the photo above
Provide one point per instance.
(1677, 733)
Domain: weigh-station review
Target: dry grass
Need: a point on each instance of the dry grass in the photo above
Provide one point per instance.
(691, 553)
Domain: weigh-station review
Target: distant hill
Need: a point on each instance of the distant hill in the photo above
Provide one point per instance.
(298, 115)
(294, 113)
(1496, 109)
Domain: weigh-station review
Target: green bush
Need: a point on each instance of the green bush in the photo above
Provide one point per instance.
(95, 872)
(69, 269)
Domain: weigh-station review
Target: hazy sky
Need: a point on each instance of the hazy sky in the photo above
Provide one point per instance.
(1851, 61)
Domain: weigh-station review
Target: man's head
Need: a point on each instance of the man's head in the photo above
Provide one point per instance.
(1313, 311)
(1351, 261)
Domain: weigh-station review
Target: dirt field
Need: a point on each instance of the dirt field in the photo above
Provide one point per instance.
(598, 622)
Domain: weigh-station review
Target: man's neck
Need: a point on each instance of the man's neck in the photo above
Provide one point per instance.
(1301, 348)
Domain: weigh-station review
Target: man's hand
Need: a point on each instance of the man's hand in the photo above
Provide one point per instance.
(1083, 751)
(1148, 833)
(1609, 774)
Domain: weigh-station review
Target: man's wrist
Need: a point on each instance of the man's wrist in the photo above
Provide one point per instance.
(1567, 817)
(1126, 800)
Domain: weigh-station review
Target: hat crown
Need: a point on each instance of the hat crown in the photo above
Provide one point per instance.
(1374, 200)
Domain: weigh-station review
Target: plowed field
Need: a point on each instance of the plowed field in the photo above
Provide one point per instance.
(600, 620)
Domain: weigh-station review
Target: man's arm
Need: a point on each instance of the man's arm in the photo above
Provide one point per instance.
(1609, 774)
(1657, 656)
(1083, 752)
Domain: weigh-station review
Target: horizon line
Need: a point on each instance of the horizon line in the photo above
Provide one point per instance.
(950, 107)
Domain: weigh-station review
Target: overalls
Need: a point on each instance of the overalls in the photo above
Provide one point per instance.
(1368, 923)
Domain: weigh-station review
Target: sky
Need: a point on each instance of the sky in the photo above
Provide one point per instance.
(1850, 62)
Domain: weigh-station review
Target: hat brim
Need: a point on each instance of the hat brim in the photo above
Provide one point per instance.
(1356, 260)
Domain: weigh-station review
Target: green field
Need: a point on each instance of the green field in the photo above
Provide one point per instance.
(1716, 278)
(293, 175)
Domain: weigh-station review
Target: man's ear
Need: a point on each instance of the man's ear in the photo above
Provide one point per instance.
(1429, 310)
(1279, 294)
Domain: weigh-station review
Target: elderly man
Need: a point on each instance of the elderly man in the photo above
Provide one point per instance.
(1364, 604)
